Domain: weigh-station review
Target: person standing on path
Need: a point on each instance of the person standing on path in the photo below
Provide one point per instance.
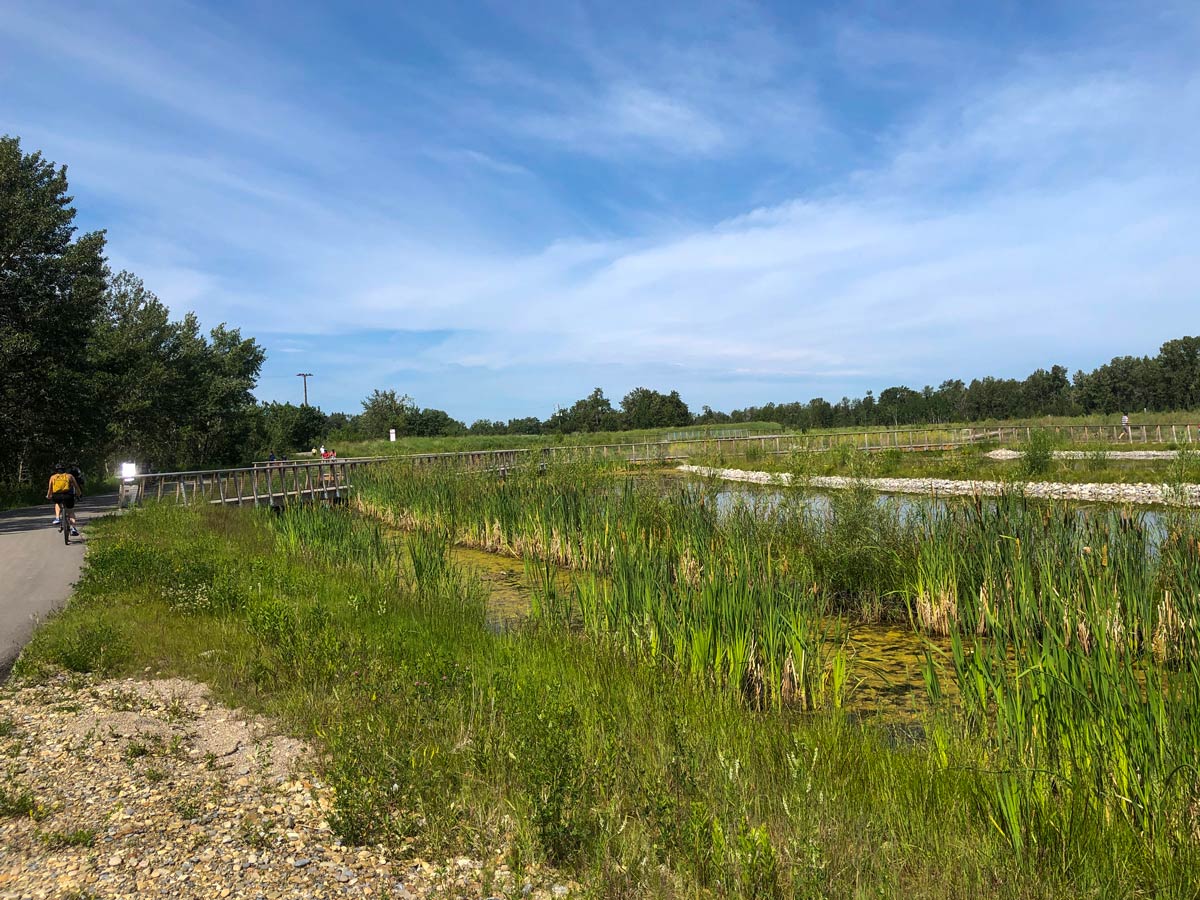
(1126, 431)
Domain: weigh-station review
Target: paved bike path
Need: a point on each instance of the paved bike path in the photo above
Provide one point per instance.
(36, 570)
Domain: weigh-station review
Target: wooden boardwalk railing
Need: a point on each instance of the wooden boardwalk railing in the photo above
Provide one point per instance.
(274, 485)
(277, 483)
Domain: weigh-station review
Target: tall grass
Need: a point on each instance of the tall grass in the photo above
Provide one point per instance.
(566, 748)
(723, 596)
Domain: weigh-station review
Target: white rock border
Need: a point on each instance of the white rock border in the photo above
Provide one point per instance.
(1141, 494)
(1116, 455)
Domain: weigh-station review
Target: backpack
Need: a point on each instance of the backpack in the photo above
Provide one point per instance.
(60, 483)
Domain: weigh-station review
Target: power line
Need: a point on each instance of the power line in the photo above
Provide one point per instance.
(305, 376)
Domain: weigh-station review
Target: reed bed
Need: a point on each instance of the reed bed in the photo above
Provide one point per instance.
(716, 595)
(1072, 632)
(1062, 768)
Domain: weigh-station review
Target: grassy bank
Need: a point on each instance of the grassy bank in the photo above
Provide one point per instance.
(562, 749)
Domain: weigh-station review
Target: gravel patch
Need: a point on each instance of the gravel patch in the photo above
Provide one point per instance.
(151, 789)
(1142, 494)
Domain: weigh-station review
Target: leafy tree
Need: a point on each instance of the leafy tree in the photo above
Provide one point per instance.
(645, 408)
(134, 353)
(51, 290)
(223, 421)
(710, 416)
(593, 413)
(172, 397)
(1046, 393)
(285, 427)
(1179, 365)
(528, 425)
(385, 410)
(900, 406)
(433, 423)
(341, 426)
(992, 398)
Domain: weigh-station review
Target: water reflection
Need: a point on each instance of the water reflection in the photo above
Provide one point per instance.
(908, 508)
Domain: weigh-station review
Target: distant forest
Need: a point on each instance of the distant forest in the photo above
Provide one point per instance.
(1168, 381)
(93, 369)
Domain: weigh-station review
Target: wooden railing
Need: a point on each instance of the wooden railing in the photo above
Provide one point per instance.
(275, 485)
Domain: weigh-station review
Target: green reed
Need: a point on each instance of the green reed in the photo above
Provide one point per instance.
(1072, 633)
(663, 574)
(1063, 768)
(1073, 643)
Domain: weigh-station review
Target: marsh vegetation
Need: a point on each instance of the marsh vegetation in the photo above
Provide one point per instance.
(678, 715)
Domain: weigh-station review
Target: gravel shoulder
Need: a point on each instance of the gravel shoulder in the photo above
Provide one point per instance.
(150, 788)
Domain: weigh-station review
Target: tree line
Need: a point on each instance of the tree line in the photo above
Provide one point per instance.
(93, 368)
(91, 363)
(1166, 382)
(289, 426)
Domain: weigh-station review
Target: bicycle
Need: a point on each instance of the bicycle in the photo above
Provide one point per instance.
(64, 490)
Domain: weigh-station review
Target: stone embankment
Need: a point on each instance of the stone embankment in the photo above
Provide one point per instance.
(1115, 455)
(1143, 494)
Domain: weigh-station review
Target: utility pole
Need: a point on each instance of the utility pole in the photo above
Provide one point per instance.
(305, 376)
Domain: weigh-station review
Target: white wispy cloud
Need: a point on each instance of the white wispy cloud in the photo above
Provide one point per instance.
(1040, 209)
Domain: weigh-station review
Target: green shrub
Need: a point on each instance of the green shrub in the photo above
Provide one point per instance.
(1039, 453)
(79, 645)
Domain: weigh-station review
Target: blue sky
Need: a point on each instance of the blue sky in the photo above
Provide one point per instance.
(495, 207)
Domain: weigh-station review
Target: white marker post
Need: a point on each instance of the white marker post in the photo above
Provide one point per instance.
(130, 488)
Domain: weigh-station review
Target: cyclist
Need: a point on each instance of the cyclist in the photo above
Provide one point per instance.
(64, 490)
(72, 469)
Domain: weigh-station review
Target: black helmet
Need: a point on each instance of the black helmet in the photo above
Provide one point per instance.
(59, 469)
